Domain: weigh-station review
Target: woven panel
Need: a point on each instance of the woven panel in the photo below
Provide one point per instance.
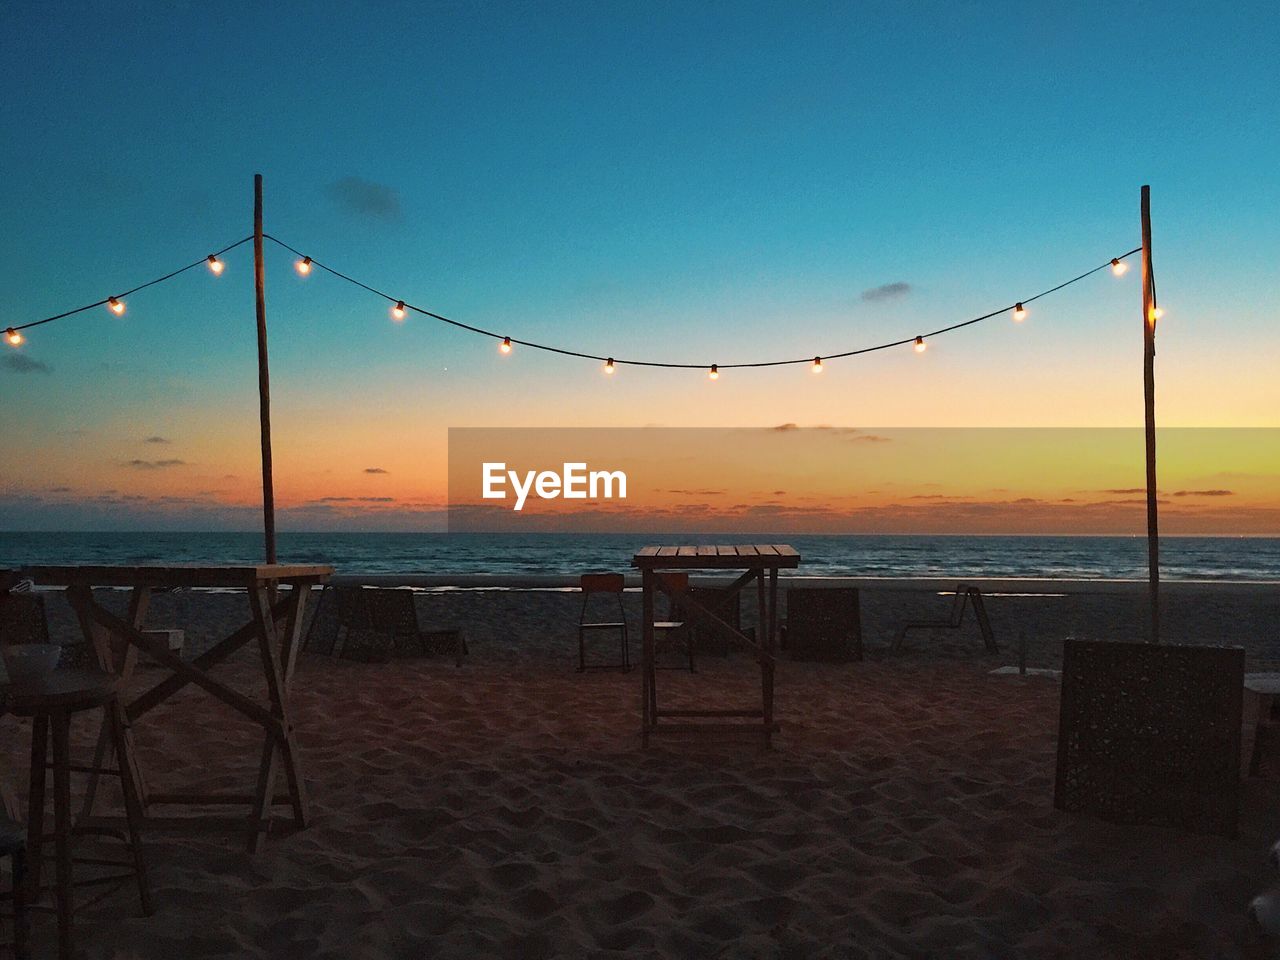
(1150, 734)
(824, 624)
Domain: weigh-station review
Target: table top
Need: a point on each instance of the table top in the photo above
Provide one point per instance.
(174, 574)
(736, 556)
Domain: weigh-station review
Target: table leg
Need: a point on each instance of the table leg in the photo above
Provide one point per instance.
(35, 803)
(61, 723)
(762, 614)
(770, 638)
(289, 661)
(646, 655)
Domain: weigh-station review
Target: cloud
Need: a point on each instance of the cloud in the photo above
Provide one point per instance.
(155, 464)
(887, 291)
(700, 493)
(21, 363)
(1204, 493)
(375, 470)
(365, 198)
(786, 427)
(1122, 491)
(157, 440)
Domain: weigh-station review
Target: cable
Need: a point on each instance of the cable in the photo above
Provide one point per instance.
(688, 366)
(142, 286)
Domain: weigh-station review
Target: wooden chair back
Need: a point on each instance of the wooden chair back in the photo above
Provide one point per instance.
(393, 611)
(824, 623)
(22, 619)
(602, 582)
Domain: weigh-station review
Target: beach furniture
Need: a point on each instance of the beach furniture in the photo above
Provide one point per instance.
(13, 847)
(1150, 734)
(760, 563)
(395, 615)
(673, 633)
(342, 610)
(50, 703)
(1260, 691)
(965, 595)
(277, 596)
(602, 585)
(708, 637)
(823, 624)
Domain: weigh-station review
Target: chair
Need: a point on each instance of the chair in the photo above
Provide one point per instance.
(343, 624)
(23, 620)
(674, 632)
(1150, 734)
(964, 595)
(823, 624)
(710, 637)
(13, 845)
(394, 614)
(602, 584)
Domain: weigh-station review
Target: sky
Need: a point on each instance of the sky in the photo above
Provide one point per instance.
(705, 183)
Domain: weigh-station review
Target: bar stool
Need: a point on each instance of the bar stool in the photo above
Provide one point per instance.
(612, 584)
(14, 846)
(50, 703)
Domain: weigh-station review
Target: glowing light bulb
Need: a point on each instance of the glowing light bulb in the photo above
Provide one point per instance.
(919, 345)
(608, 365)
(303, 266)
(1019, 312)
(14, 337)
(115, 306)
(397, 312)
(817, 365)
(1118, 267)
(714, 373)
(1156, 314)
(505, 345)
(215, 265)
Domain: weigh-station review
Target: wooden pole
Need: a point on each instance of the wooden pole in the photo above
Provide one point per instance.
(264, 376)
(1149, 398)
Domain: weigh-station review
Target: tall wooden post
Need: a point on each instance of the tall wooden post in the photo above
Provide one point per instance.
(1149, 397)
(264, 376)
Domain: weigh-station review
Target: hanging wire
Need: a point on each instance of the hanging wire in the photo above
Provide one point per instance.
(914, 338)
(142, 286)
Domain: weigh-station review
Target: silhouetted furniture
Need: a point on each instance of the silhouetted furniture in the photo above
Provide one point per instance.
(675, 633)
(395, 615)
(50, 703)
(708, 636)
(760, 562)
(602, 585)
(823, 624)
(274, 626)
(1258, 726)
(964, 595)
(13, 847)
(1150, 734)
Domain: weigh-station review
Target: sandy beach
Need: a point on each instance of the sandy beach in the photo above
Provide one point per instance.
(506, 809)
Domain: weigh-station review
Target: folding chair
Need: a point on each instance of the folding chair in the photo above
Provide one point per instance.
(964, 595)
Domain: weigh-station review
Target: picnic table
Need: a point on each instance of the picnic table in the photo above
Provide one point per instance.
(116, 642)
(759, 562)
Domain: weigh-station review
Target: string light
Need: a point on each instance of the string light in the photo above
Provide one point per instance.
(817, 364)
(303, 266)
(397, 312)
(608, 365)
(215, 265)
(919, 344)
(505, 345)
(115, 306)
(14, 337)
(1118, 267)
(1019, 312)
(714, 373)
(1156, 314)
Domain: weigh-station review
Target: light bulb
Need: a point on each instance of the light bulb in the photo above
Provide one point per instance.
(505, 345)
(1019, 312)
(919, 346)
(115, 306)
(397, 312)
(14, 337)
(215, 265)
(1118, 267)
(608, 365)
(714, 373)
(817, 364)
(1156, 314)
(303, 266)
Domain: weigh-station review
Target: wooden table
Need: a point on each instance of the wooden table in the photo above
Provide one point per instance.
(278, 649)
(761, 563)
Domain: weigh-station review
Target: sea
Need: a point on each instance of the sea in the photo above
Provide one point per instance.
(567, 554)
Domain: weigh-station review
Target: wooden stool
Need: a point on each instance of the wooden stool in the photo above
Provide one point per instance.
(14, 846)
(50, 703)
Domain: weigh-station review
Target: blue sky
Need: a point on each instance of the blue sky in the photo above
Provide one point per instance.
(703, 182)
